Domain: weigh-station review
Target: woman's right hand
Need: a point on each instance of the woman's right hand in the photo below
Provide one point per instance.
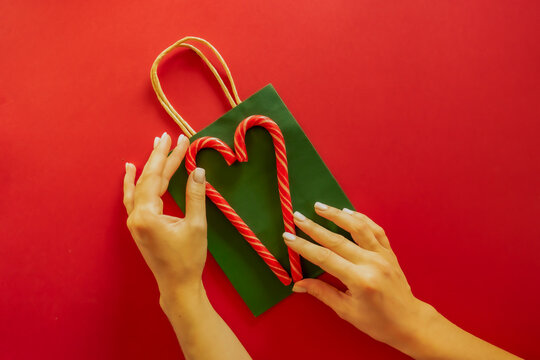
(379, 300)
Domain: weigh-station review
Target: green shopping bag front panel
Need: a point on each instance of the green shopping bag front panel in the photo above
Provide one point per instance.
(251, 189)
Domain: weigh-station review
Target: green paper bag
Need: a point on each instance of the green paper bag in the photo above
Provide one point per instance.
(251, 189)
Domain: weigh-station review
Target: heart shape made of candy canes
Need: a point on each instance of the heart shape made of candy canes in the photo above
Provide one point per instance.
(240, 154)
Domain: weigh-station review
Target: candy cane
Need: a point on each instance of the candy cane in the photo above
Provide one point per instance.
(227, 210)
(282, 175)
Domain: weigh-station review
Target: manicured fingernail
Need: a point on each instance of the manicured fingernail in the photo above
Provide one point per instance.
(298, 289)
(180, 139)
(163, 135)
(199, 175)
(321, 206)
(288, 236)
(348, 211)
(156, 141)
(299, 216)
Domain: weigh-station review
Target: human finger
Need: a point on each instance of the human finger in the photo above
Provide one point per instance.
(377, 230)
(173, 161)
(156, 142)
(196, 197)
(321, 256)
(129, 187)
(335, 242)
(158, 157)
(148, 187)
(324, 292)
(358, 228)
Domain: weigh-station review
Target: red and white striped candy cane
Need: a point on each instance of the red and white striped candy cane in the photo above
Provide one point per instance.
(282, 175)
(227, 210)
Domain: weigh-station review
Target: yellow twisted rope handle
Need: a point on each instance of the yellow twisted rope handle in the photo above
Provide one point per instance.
(184, 125)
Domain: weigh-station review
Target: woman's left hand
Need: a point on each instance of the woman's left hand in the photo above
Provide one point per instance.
(174, 248)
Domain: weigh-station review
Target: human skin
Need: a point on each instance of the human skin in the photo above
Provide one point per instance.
(378, 299)
(175, 250)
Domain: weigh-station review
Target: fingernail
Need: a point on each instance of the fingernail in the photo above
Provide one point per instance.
(198, 175)
(348, 211)
(299, 216)
(156, 141)
(180, 139)
(298, 289)
(127, 165)
(321, 206)
(288, 236)
(163, 135)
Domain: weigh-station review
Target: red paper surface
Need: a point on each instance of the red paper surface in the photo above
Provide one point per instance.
(426, 112)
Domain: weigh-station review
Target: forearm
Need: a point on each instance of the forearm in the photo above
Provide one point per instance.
(436, 338)
(201, 332)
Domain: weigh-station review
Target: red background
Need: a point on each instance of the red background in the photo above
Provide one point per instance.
(426, 112)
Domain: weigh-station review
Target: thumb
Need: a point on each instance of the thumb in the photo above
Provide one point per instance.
(196, 196)
(324, 292)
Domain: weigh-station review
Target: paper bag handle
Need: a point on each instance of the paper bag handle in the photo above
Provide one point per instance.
(184, 125)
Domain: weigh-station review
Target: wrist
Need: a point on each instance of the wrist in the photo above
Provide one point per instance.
(421, 339)
(183, 299)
